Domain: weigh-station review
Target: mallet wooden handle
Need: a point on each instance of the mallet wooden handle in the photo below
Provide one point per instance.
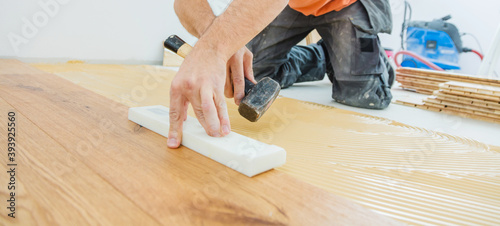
(175, 44)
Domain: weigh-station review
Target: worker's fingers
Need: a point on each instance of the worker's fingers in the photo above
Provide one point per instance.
(238, 76)
(198, 111)
(210, 114)
(228, 87)
(221, 106)
(186, 105)
(177, 115)
(248, 66)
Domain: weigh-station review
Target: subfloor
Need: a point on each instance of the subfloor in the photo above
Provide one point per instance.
(392, 165)
(486, 132)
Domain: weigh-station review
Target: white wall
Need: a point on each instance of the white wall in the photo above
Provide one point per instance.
(126, 31)
(480, 18)
(102, 31)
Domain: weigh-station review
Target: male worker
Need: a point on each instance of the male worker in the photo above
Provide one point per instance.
(349, 53)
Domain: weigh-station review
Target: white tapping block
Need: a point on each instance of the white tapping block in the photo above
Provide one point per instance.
(241, 153)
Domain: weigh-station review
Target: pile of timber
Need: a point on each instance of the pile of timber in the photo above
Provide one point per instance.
(464, 99)
(427, 81)
(477, 101)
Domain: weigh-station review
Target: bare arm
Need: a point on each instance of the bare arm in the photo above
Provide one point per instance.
(239, 24)
(195, 15)
(201, 77)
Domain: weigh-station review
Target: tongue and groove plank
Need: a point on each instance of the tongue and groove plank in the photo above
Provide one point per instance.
(173, 186)
(52, 188)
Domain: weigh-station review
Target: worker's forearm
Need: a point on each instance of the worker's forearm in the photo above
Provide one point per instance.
(195, 15)
(241, 21)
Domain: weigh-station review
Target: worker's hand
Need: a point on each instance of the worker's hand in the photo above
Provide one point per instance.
(199, 81)
(239, 67)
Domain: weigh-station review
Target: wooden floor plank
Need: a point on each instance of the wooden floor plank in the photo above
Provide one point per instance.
(418, 89)
(470, 94)
(491, 112)
(464, 112)
(11, 66)
(420, 77)
(441, 108)
(174, 186)
(447, 75)
(56, 188)
(467, 100)
(473, 88)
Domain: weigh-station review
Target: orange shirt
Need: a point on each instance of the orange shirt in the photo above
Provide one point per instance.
(318, 7)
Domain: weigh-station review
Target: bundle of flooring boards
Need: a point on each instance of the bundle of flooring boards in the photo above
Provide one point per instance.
(468, 96)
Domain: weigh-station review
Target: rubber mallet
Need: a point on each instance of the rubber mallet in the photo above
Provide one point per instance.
(258, 97)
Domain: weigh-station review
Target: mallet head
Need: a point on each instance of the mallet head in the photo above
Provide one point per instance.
(259, 99)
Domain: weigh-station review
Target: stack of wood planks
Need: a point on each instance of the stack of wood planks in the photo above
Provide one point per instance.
(468, 96)
(427, 81)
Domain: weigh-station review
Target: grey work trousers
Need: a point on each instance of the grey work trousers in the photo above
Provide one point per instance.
(358, 65)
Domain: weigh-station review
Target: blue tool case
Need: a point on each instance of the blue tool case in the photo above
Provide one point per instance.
(437, 41)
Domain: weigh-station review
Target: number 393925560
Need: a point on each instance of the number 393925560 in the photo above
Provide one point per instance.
(11, 135)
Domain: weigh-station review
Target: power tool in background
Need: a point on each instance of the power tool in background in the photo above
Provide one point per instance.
(432, 44)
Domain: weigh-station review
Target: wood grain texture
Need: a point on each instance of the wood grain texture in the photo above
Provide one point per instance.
(133, 167)
(467, 100)
(56, 188)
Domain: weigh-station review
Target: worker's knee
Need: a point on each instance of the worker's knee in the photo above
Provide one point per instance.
(370, 92)
(365, 80)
